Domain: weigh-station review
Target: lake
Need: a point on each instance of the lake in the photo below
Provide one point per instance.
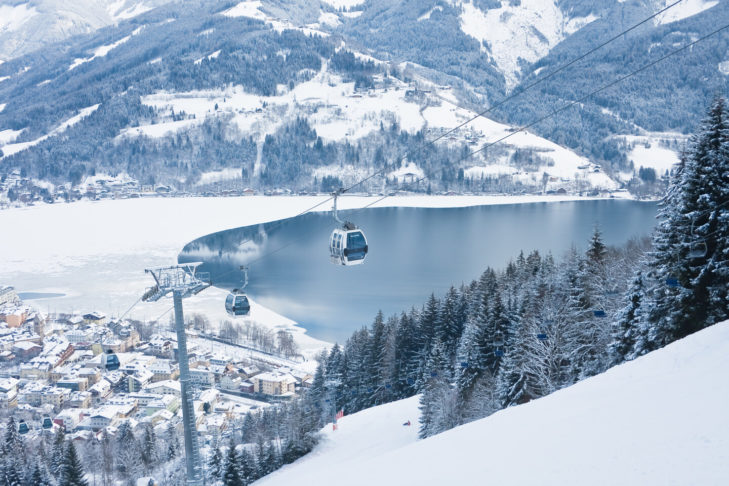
(412, 252)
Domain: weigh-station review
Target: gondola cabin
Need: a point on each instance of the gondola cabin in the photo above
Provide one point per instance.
(111, 362)
(23, 427)
(348, 245)
(47, 423)
(237, 304)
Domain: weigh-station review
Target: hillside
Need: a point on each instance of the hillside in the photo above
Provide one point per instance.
(658, 420)
(34, 24)
(283, 93)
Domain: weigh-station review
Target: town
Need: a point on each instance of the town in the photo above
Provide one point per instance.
(88, 373)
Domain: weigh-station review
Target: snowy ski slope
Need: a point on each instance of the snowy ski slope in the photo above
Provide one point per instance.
(659, 420)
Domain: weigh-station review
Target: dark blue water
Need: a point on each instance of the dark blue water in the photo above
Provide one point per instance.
(413, 252)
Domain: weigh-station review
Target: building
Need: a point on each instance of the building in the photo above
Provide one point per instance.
(274, 384)
(73, 383)
(164, 369)
(8, 296)
(139, 380)
(8, 393)
(202, 377)
(164, 388)
(95, 318)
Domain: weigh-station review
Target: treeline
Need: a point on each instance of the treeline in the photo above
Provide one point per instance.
(507, 338)
(684, 284)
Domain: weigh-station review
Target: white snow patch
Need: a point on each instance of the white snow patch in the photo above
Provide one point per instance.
(8, 136)
(427, 14)
(12, 17)
(407, 173)
(246, 9)
(684, 10)
(489, 171)
(724, 67)
(43, 83)
(329, 18)
(14, 148)
(118, 10)
(214, 55)
(102, 51)
(3, 78)
(251, 8)
(659, 158)
(519, 32)
(352, 15)
(660, 419)
(2, 107)
(228, 174)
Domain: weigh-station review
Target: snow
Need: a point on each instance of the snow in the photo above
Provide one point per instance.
(159, 130)
(659, 158)
(220, 175)
(407, 173)
(517, 33)
(12, 17)
(352, 15)
(8, 136)
(427, 14)
(102, 51)
(214, 55)
(344, 4)
(659, 420)
(14, 148)
(330, 19)
(246, 9)
(2, 107)
(685, 9)
(336, 111)
(724, 67)
(650, 150)
(3, 78)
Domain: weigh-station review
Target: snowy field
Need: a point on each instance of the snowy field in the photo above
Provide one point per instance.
(95, 252)
(659, 420)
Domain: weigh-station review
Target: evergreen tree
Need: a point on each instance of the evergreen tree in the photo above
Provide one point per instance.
(72, 473)
(438, 403)
(58, 452)
(625, 328)
(691, 244)
(377, 372)
(150, 456)
(173, 441)
(231, 473)
(215, 465)
(38, 477)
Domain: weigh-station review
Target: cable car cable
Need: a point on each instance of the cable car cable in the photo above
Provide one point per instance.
(484, 112)
(525, 127)
(519, 93)
(573, 103)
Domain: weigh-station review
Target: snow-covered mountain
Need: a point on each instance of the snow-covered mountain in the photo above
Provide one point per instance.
(31, 25)
(367, 79)
(658, 420)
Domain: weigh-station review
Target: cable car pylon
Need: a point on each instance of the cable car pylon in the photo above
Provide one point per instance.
(182, 281)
